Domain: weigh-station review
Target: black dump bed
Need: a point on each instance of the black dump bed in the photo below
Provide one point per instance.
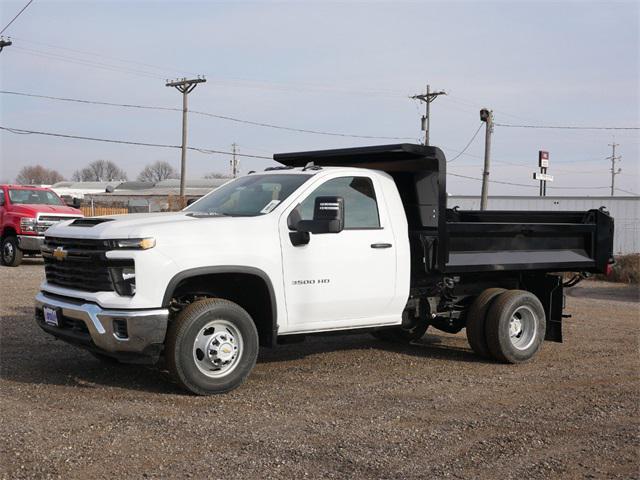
(528, 240)
(447, 241)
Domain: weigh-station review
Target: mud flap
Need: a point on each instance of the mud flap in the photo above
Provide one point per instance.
(549, 290)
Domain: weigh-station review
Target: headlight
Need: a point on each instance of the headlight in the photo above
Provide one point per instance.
(124, 280)
(133, 243)
(28, 224)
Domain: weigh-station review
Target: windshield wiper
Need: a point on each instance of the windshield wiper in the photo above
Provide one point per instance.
(206, 214)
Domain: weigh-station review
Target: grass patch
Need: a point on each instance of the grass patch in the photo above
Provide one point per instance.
(626, 270)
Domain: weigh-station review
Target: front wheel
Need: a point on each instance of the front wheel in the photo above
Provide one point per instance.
(11, 254)
(212, 346)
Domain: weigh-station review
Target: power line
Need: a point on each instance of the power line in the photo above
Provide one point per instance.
(468, 144)
(569, 162)
(300, 130)
(627, 191)
(90, 102)
(212, 78)
(102, 56)
(207, 114)
(20, 131)
(560, 170)
(257, 84)
(17, 15)
(492, 181)
(281, 127)
(475, 106)
(522, 184)
(89, 63)
(531, 122)
(564, 127)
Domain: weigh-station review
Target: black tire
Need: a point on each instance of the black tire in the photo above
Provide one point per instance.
(11, 255)
(183, 359)
(400, 335)
(525, 308)
(476, 319)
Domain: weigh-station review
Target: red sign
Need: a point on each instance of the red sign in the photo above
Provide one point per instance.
(543, 159)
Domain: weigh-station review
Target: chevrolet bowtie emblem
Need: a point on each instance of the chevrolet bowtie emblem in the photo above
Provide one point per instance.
(59, 254)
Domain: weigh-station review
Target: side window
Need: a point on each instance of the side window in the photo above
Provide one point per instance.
(1, 197)
(360, 206)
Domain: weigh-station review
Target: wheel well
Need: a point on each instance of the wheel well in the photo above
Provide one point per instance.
(8, 232)
(251, 291)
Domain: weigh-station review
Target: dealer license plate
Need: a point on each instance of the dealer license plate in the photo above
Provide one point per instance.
(50, 316)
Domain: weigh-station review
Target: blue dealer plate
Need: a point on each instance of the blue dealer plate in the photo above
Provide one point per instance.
(50, 316)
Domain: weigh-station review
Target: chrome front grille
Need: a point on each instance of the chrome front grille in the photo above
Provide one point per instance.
(45, 221)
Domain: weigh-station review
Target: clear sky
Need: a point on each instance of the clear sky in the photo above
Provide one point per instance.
(334, 66)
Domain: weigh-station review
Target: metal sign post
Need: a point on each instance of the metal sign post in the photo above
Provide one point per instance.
(543, 163)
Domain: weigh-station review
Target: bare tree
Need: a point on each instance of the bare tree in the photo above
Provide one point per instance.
(217, 175)
(38, 175)
(156, 172)
(100, 171)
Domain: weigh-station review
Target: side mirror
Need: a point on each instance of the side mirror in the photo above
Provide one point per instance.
(191, 201)
(297, 238)
(328, 217)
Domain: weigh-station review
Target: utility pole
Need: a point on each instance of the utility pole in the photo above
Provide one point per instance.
(427, 98)
(487, 117)
(234, 161)
(614, 159)
(185, 87)
(4, 43)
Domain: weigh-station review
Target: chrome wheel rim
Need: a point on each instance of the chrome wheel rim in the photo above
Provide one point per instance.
(217, 348)
(523, 326)
(8, 251)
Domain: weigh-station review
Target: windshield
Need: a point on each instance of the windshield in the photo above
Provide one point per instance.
(24, 196)
(249, 196)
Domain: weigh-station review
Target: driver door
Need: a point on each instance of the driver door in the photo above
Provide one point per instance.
(344, 279)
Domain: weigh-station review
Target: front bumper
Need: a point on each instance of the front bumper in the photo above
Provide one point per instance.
(30, 243)
(135, 336)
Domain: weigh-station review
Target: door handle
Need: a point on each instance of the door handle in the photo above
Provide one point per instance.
(381, 245)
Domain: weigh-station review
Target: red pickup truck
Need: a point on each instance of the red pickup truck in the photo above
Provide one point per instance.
(25, 213)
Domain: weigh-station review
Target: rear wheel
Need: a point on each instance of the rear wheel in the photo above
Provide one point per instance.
(211, 346)
(515, 326)
(476, 319)
(11, 254)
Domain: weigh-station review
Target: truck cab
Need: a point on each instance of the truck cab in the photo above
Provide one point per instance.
(26, 212)
(336, 240)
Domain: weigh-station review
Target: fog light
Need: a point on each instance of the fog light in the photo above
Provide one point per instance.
(124, 280)
(120, 329)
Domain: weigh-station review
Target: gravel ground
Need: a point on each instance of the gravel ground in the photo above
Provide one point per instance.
(332, 407)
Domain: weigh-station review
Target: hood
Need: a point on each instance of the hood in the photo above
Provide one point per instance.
(33, 210)
(139, 225)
